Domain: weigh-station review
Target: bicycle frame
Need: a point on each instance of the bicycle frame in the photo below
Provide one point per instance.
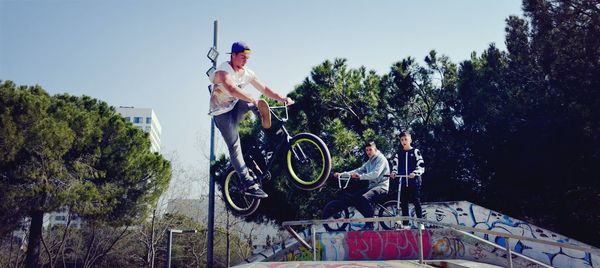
(284, 140)
(305, 158)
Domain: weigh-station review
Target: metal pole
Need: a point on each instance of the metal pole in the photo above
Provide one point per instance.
(211, 181)
(169, 241)
(398, 208)
(228, 256)
(508, 253)
(314, 241)
(420, 245)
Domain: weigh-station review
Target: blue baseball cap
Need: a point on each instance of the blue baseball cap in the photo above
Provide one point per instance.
(238, 47)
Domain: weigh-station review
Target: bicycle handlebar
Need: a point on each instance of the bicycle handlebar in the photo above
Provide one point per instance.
(347, 177)
(284, 106)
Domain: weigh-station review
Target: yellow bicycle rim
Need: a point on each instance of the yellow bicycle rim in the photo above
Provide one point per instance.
(291, 169)
(227, 196)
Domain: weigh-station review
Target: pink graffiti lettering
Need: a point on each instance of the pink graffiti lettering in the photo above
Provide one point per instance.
(370, 245)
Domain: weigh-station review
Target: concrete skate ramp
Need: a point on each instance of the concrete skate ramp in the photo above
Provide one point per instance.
(443, 243)
(471, 215)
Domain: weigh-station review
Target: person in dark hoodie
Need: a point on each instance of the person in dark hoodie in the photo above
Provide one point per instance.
(408, 161)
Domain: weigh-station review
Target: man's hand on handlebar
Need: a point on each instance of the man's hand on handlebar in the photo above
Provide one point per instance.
(412, 175)
(353, 175)
(287, 101)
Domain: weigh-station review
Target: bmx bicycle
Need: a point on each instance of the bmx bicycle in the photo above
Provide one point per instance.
(307, 162)
(339, 208)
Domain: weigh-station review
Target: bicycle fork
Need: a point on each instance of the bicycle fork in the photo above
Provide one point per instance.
(299, 154)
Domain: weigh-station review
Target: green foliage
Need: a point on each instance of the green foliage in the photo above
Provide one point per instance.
(72, 151)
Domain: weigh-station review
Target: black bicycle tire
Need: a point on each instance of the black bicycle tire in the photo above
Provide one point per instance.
(331, 208)
(380, 213)
(227, 197)
(326, 168)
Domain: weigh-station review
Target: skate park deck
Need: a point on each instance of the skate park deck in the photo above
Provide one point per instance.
(369, 264)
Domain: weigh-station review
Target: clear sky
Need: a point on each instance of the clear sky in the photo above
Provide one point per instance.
(152, 54)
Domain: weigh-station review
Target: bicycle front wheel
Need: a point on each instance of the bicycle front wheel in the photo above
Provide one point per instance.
(308, 161)
(239, 203)
(389, 209)
(334, 210)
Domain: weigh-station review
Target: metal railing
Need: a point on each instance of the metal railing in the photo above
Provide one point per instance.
(313, 223)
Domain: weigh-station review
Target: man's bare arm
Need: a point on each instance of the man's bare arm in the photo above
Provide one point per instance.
(271, 93)
(223, 78)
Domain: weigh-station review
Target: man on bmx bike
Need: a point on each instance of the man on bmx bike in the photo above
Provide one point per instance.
(374, 171)
(229, 103)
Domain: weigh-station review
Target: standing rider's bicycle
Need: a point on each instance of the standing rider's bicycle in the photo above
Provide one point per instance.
(338, 208)
(307, 161)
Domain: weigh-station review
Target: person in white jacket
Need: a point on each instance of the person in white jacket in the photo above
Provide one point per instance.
(374, 171)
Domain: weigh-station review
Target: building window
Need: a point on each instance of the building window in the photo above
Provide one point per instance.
(137, 120)
(128, 119)
(147, 129)
(148, 120)
(60, 218)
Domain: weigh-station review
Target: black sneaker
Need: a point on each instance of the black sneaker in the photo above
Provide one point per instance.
(255, 191)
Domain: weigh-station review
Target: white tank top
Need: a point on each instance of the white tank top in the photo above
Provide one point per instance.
(220, 99)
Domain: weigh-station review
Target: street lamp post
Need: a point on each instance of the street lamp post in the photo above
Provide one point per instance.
(212, 55)
(170, 242)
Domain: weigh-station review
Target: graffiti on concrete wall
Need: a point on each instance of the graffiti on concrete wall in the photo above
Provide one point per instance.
(438, 244)
(333, 246)
(302, 254)
(446, 243)
(471, 215)
(448, 248)
(374, 245)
